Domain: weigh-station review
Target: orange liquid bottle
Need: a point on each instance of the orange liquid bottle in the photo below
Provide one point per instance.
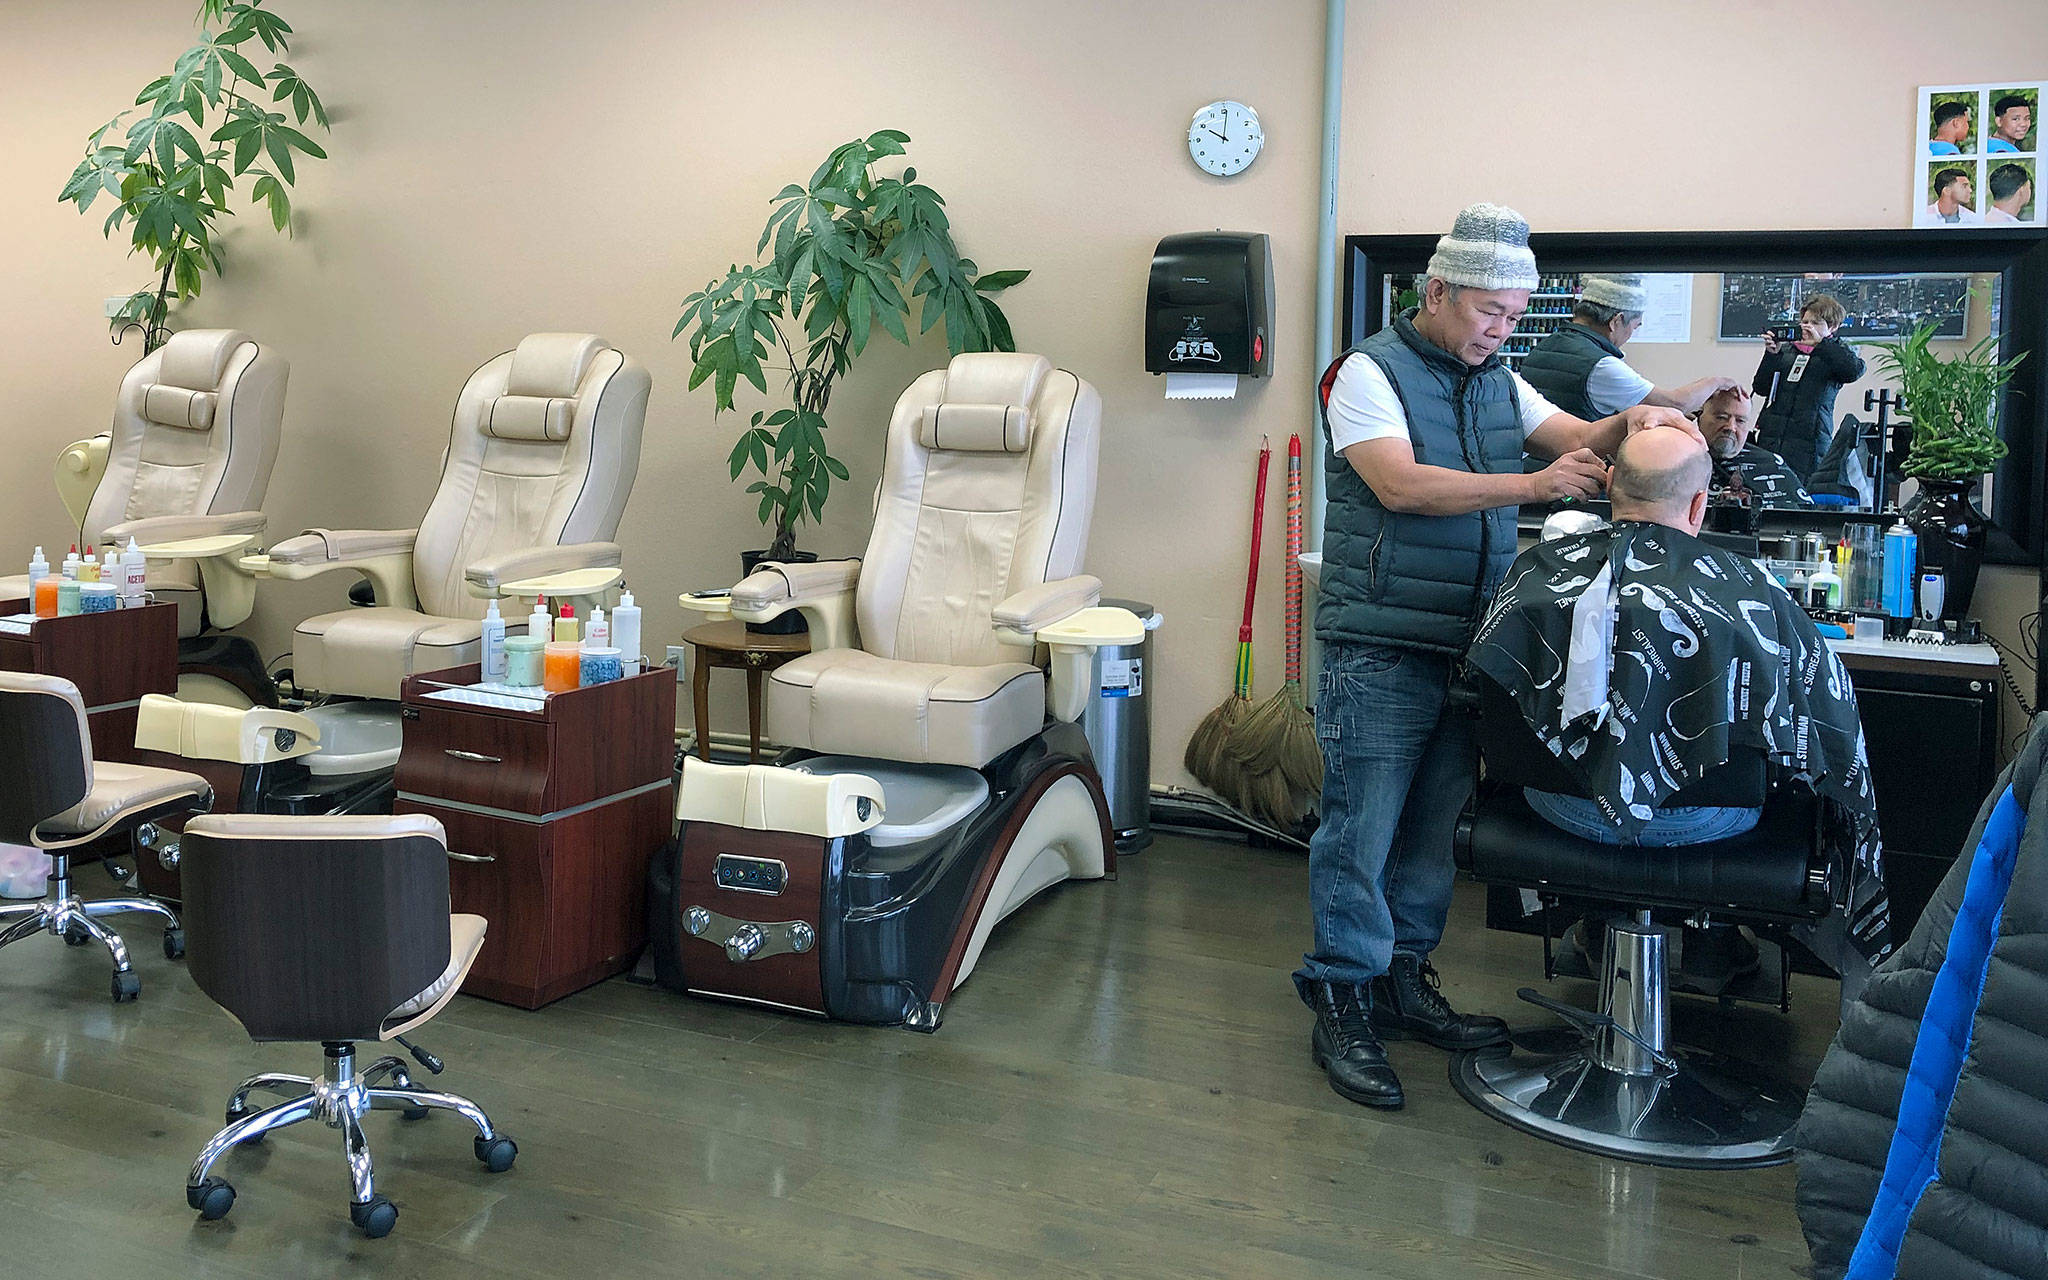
(562, 667)
(46, 596)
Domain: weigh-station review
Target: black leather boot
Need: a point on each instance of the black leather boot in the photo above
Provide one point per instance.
(1407, 1002)
(1347, 1050)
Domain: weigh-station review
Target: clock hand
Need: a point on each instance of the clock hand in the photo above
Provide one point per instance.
(1220, 137)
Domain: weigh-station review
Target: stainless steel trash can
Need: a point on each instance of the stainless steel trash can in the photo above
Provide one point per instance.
(1118, 724)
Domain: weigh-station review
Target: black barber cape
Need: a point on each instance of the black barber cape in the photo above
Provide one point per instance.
(1642, 656)
(1764, 474)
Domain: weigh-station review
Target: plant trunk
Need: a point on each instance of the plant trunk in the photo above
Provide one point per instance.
(154, 334)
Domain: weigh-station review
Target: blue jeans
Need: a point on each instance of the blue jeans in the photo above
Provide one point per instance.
(1683, 825)
(1398, 766)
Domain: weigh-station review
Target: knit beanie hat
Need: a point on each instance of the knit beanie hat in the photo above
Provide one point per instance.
(1488, 248)
(1622, 292)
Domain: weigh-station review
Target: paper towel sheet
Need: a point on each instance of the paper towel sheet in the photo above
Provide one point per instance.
(1201, 386)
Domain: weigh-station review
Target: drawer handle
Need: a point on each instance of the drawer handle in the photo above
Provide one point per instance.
(471, 857)
(478, 756)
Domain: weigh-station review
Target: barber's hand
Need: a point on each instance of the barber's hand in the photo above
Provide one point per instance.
(1578, 474)
(1645, 416)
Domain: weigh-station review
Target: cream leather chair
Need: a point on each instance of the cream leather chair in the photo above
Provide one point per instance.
(59, 798)
(337, 930)
(188, 457)
(543, 451)
(925, 650)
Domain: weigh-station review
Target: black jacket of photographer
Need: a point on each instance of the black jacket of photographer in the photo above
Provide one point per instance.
(1798, 422)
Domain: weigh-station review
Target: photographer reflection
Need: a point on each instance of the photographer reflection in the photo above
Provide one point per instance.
(1579, 366)
(1741, 465)
(1799, 377)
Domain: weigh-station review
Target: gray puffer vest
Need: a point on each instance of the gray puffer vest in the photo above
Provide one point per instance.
(1561, 365)
(1419, 581)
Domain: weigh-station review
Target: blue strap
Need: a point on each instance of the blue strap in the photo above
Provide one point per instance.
(1941, 1046)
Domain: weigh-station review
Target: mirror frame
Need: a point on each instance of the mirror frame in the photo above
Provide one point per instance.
(2018, 254)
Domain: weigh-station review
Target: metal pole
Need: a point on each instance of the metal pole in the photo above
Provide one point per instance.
(1326, 281)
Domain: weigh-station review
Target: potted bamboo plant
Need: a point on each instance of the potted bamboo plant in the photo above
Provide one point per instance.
(848, 253)
(1953, 406)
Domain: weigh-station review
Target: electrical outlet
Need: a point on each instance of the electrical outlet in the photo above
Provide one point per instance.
(675, 659)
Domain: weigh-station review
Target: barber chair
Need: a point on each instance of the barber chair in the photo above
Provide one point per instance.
(58, 798)
(926, 793)
(336, 930)
(542, 456)
(183, 471)
(1612, 1081)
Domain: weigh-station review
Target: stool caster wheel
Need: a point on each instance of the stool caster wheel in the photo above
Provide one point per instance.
(212, 1198)
(174, 944)
(497, 1154)
(127, 986)
(76, 937)
(242, 1113)
(118, 872)
(374, 1217)
(411, 1114)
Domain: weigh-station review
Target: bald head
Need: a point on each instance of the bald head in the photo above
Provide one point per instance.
(1660, 476)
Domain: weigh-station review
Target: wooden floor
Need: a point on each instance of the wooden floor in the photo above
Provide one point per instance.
(1123, 1089)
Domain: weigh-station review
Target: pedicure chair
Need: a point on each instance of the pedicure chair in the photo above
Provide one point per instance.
(935, 779)
(542, 453)
(183, 471)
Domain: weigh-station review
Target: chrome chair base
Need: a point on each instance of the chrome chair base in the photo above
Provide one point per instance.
(77, 920)
(1611, 1083)
(337, 1099)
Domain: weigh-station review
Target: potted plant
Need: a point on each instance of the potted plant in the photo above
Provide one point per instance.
(171, 185)
(1952, 404)
(848, 253)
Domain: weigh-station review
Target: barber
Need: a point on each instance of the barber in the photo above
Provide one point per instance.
(1579, 366)
(1427, 431)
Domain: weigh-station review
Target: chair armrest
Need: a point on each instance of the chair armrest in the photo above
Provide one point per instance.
(384, 556)
(152, 529)
(1019, 618)
(339, 548)
(489, 576)
(203, 731)
(1072, 642)
(821, 590)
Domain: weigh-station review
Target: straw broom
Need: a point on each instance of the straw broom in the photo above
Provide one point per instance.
(1276, 744)
(1208, 755)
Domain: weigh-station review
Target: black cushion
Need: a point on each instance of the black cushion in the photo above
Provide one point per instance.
(1764, 871)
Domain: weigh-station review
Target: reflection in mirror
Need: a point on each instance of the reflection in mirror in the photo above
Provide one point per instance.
(1803, 432)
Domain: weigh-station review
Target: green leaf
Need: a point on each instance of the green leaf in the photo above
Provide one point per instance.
(837, 468)
(997, 281)
(241, 66)
(860, 312)
(280, 153)
(301, 141)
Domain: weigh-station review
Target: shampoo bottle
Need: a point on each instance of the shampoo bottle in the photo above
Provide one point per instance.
(70, 568)
(494, 644)
(89, 568)
(626, 633)
(597, 633)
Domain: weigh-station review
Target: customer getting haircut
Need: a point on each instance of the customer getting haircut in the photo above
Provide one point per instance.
(1631, 484)
(1824, 307)
(2006, 179)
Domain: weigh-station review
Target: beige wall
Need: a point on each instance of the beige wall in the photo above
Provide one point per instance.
(500, 168)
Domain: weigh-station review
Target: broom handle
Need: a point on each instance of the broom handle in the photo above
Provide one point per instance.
(1251, 573)
(1293, 559)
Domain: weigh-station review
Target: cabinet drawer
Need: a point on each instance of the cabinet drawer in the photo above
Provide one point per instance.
(510, 891)
(472, 757)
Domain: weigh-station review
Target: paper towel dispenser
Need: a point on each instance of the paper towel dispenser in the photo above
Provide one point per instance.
(1209, 306)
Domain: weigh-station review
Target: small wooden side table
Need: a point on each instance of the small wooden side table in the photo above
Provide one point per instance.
(728, 643)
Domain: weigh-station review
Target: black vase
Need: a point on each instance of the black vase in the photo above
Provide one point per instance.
(1951, 530)
(791, 623)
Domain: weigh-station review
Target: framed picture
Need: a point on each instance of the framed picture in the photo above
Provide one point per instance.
(1976, 154)
(1875, 307)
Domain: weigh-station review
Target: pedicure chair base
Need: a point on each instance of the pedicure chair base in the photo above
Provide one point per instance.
(869, 915)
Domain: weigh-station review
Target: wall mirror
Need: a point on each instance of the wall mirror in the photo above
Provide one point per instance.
(1719, 299)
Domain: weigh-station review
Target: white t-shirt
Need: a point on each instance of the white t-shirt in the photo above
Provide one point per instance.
(1613, 386)
(1965, 215)
(1363, 405)
(1996, 214)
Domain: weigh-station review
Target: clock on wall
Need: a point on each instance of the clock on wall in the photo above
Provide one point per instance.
(1225, 137)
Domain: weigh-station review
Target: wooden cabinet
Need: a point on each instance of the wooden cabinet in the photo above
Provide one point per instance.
(114, 658)
(552, 817)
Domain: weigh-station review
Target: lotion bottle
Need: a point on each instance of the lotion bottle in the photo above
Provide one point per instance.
(494, 644)
(134, 575)
(537, 621)
(626, 633)
(597, 633)
(38, 569)
(565, 626)
(70, 569)
(89, 568)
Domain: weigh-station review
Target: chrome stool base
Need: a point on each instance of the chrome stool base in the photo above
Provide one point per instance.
(77, 920)
(338, 1100)
(1612, 1084)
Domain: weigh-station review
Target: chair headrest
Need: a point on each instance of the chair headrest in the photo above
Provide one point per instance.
(196, 358)
(177, 407)
(544, 418)
(986, 404)
(552, 365)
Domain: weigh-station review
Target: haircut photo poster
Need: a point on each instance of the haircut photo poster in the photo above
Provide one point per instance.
(1976, 156)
